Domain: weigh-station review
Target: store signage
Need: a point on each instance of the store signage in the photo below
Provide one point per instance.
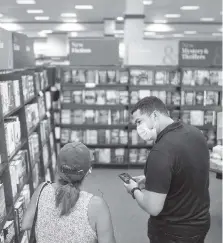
(93, 52)
(200, 53)
(152, 53)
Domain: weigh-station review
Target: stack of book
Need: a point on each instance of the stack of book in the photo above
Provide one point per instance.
(46, 156)
(19, 170)
(12, 133)
(9, 232)
(28, 87)
(10, 95)
(19, 212)
(2, 204)
(114, 156)
(34, 148)
(202, 77)
(41, 106)
(35, 175)
(138, 156)
(45, 129)
(95, 76)
(32, 115)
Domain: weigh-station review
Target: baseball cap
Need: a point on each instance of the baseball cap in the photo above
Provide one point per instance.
(74, 161)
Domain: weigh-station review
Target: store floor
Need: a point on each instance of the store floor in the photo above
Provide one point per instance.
(129, 220)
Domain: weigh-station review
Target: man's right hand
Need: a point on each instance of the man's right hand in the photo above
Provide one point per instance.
(141, 180)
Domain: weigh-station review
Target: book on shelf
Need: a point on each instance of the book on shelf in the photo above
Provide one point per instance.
(100, 97)
(185, 117)
(103, 117)
(144, 93)
(67, 76)
(201, 77)
(123, 136)
(123, 98)
(187, 98)
(89, 97)
(102, 77)
(219, 127)
(19, 208)
(90, 137)
(115, 117)
(37, 81)
(91, 76)
(173, 98)
(28, 87)
(78, 117)
(46, 157)
(35, 176)
(216, 77)
(66, 116)
(134, 137)
(111, 76)
(32, 115)
(197, 118)
(187, 77)
(2, 204)
(111, 97)
(89, 116)
(66, 98)
(123, 77)
(56, 117)
(161, 77)
(76, 136)
(65, 136)
(45, 128)
(174, 78)
(103, 136)
(133, 156)
(9, 231)
(41, 106)
(34, 148)
(77, 97)
(104, 156)
(12, 133)
(142, 156)
(134, 97)
(115, 136)
(124, 116)
(25, 194)
(77, 76)
(119, 156)
(211, 98)
(141, 77)
(210, 118)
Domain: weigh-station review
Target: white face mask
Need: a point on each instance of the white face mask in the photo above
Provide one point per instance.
(145, 133)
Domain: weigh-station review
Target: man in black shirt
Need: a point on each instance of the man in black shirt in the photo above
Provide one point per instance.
(176, 181)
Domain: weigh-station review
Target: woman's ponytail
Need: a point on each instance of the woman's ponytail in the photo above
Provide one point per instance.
(67, 196)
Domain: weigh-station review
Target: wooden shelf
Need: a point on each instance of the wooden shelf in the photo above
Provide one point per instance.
(74, 87)
(33, 129)
(10, 113)
(72, 106)
(23, 142)
(30, 99)
(202, 88)
(93, 126)
(158, 87)
(202, 108)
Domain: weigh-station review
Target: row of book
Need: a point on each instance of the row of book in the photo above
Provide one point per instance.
(32, 115)
(94, 116)
(10, 95)
(19, 170)
(12, 133)
(28, 87)
(45, 129)
(34, 148)
(143, 77)
(41, 80)
(199, 118)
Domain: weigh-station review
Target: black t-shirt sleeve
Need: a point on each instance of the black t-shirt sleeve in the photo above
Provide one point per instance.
(158, 172)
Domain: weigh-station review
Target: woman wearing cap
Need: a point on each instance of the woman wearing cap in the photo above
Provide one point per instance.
(65, 213)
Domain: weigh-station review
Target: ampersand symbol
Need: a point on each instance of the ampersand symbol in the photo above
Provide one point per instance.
(217, 56)
(169, 57)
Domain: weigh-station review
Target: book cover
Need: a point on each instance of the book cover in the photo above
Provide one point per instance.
(139, 77)
(100, 97)
(65, 136)
(124, 77)
(66, 117)
(16, 89)
(91, 76)
(76, 136)
(197, 118)
(101, 136)
(134, 97)
(89, 117)
(111, 76)
(91, 137)
(103, 117)
(175, 98)
(134, 137)
(210, 118)
(89, 97)
(202, 77)
(162, 96)
(142, 157)
(111, 97)
(199, 98)
(75, 76)
(2, 204)
(161, 77)
(67, 76)
(211, 98)
(188, 76)
(219, 127)
(124, 116)
(174, 78)
(133, 156)
(19, 211)
(123, 97)
(115, 117)
(78, 117)
(66, 97)
(215, 77)
(189, 98)
(9, 231)
(104, 156)
(120, 156)
(77, 97)
(115, 136)
(102, 77)
(123, 137)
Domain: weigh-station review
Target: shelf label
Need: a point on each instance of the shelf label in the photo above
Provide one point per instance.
(200, 54)
(94, 52)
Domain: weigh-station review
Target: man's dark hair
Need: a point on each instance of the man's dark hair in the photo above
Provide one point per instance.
(149, 105)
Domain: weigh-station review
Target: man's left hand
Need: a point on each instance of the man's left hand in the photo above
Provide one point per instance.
(132, 184)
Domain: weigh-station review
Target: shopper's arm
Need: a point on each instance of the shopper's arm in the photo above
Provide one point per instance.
(28, 217)
(104, 227)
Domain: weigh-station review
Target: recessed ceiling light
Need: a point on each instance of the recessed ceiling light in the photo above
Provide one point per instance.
(83, 7)
(159, 28)
(172, 16)
(73, 34)
(42, 18)
(68, 15)
(147, 2)
(190, 7)
(70, 27)
(207, 19)
(178, 35)
(47, 31)
(217, 34)
(70, 20)
(35, 11)
(159, 36)
(160, 21)
(26, 2)
(120, 18)
(11, 26)
(148, 33)
(190, 32)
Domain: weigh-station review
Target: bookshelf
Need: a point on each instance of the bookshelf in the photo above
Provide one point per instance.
(176, 87)
(25, 112)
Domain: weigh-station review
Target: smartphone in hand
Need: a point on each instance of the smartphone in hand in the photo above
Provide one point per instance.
(126, 177)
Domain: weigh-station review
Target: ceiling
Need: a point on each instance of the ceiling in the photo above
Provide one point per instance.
(90, 22)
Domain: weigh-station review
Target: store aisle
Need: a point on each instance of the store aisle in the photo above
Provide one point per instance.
(129, 220)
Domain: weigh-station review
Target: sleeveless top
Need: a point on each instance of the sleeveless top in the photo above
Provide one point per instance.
(74, 228)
